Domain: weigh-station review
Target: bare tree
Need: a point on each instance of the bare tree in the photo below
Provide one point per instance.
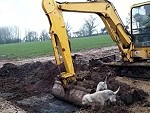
(4, 34)
(31, 36)
(89, 27)
(9, 35)
(44, 35)
(104, 31)
(68, 28)
(83, 31)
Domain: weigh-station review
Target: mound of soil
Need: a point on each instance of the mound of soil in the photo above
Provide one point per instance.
(27, 79)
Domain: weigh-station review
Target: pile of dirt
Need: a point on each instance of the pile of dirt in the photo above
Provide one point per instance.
(28, 79)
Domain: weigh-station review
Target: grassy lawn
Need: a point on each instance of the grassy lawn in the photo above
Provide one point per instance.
(78, 44)
(37, 49)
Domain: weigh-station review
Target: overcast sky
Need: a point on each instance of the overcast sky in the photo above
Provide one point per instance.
(28, 14)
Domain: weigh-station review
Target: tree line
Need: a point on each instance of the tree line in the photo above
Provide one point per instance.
(89, 28)
(12, 34)
(32, 36)
(9, 35)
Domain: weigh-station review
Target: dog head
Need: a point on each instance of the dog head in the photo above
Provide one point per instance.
(112, 97)
(102, 85)
(86, 99)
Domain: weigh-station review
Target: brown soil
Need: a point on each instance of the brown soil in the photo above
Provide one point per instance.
(34, 80)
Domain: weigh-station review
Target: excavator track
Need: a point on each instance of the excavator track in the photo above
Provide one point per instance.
(128, 69)
(136, 70)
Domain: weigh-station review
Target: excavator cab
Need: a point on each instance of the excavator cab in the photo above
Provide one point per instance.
(140, 24)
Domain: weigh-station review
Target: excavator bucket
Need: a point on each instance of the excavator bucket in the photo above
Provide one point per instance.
(72, 94)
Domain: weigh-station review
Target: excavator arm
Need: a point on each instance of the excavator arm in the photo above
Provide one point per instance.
(60, 40)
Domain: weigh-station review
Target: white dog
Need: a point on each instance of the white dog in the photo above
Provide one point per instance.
(100, 97)
(102, 85)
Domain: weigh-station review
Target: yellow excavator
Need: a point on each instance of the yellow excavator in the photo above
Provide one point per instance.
(134, 46)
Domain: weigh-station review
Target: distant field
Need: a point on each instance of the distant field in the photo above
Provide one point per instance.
(78, 44)
(37, 49)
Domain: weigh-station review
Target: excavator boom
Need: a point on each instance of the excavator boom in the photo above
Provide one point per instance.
(106, 12)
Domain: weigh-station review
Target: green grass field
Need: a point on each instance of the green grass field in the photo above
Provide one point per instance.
(37, 49)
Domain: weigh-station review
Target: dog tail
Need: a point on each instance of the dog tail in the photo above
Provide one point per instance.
(117, 90)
